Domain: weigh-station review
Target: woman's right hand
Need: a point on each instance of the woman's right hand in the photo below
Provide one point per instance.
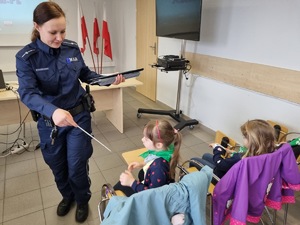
(63, 118)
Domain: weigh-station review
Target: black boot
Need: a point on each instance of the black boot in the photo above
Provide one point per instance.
(82, 212)
(64, 207)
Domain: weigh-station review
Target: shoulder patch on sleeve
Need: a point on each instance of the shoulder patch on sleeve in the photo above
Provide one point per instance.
(29, 52)
(70, 43)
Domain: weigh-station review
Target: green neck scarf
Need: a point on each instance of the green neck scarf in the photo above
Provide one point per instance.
(165, 154)
(295, 142)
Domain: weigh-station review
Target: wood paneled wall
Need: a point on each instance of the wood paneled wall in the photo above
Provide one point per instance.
(277, 82)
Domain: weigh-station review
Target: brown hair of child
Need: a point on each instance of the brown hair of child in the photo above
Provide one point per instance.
(161, 131)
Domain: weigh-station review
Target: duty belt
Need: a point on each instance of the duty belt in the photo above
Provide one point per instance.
(73, 111)
(76, 110)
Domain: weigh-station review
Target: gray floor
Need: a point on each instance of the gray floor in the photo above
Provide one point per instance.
(28, 194)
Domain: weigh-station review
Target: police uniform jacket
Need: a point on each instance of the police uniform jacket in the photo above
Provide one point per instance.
(50, 78)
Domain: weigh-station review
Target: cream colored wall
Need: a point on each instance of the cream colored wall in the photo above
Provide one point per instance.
(251, 32)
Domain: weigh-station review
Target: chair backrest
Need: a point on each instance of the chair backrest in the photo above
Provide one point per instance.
(220, 135)
(246, 185)
(280, 130)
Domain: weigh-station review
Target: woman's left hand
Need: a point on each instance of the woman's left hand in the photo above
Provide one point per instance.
(119, 79)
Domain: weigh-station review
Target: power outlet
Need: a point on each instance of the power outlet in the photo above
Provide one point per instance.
(17, 150)
(20, 149)
(25, 145)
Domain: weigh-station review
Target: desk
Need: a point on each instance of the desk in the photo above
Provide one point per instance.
(133, 156)
(108, 99)
(11, 108)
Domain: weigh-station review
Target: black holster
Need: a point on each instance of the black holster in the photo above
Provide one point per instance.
(35, 115)
(88, 100)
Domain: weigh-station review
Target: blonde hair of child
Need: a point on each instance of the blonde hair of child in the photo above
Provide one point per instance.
(260, 136)
(161, 131)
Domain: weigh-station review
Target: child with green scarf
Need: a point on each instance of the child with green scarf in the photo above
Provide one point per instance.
(163, 143)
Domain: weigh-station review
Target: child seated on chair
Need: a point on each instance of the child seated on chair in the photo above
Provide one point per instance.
(217, 161)
(259, 138)
(222, 159)
(160, 160)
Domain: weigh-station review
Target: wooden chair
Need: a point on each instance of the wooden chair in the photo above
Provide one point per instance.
(283, 134)
(219, 137)
(133, 156)
(281, 130)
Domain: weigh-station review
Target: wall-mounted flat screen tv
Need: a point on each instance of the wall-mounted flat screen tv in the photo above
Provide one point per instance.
(178, 19)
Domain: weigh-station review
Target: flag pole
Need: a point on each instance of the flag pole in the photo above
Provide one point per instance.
(98, 63)
(98, 71)
(88, 39)
(102, 52)
(91, 53)
(102, 49)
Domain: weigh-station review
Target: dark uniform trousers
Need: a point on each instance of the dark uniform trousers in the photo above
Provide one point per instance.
(68, 157)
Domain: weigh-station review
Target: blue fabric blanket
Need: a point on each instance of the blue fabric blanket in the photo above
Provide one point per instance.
(158, 205)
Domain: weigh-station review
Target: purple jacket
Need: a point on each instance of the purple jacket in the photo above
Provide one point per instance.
(246, 185)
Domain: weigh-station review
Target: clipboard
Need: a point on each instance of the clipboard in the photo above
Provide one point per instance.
(108, 79)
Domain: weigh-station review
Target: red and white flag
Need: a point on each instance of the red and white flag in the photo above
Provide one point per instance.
(84, 32)
(106, 36)
(96, 35)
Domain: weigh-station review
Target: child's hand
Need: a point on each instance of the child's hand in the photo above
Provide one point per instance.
(213, 145)
(229, 151)
(126, 178)
(134, 165)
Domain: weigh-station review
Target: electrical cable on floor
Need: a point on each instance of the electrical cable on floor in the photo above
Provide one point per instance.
(14, 144)
(3, 156)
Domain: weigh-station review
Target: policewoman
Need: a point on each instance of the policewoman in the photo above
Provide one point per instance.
(49, 71)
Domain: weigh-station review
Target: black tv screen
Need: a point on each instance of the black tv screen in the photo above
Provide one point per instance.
(178, 19)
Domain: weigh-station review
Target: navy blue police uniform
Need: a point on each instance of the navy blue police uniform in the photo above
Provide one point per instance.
(50, 79)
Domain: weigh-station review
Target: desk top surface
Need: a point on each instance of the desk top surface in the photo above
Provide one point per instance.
(12, 94)
(133, 156)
